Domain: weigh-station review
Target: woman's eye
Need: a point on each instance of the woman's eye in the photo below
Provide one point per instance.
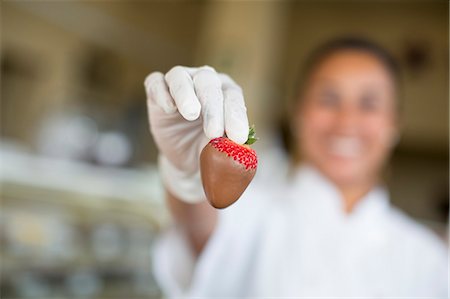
(329, 100)
(368, 103)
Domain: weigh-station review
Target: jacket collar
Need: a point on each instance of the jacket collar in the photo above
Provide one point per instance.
(309, 186)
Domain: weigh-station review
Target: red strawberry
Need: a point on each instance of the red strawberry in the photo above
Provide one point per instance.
(227, 169)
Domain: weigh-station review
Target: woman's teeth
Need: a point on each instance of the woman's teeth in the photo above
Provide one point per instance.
(347, 147)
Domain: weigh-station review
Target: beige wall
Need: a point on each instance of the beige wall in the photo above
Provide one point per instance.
(52, 40)
(261, 44)
(246, 39)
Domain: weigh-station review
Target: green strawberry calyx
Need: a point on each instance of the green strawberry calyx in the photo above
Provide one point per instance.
(251, 136)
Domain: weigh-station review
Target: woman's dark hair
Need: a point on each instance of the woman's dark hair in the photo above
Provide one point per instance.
(349, 44)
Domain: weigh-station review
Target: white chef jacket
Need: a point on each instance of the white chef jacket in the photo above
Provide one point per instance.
(294, 240)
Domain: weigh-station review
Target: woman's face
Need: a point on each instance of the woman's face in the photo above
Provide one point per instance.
(347, 117)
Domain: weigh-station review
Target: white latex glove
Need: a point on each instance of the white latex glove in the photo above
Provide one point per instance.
(187, 107)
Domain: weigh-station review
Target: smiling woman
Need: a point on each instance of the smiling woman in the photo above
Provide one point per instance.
(347, 114)
(326, 231)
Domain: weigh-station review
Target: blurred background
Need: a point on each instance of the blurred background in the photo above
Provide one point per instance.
(81, 199)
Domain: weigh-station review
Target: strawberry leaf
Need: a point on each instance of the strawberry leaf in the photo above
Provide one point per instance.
(251, 136)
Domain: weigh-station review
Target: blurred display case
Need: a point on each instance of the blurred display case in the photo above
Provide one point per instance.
(76, 230)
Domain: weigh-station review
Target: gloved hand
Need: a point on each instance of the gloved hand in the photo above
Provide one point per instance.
(187, 107)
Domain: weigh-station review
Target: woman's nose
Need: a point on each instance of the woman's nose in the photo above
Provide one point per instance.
(347, 119)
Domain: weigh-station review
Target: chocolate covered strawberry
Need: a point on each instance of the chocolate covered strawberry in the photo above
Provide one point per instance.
(227, 168)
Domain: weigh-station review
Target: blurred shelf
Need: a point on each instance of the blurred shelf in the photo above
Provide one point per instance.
(25, 176)
(68, 227)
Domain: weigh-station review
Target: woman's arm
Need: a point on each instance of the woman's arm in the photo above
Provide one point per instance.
(196, 221)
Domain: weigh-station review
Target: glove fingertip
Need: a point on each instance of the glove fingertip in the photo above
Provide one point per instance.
(213, 130)
(190, 111)
(238, 136)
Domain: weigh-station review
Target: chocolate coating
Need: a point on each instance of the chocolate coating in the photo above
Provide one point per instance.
(224, 179)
